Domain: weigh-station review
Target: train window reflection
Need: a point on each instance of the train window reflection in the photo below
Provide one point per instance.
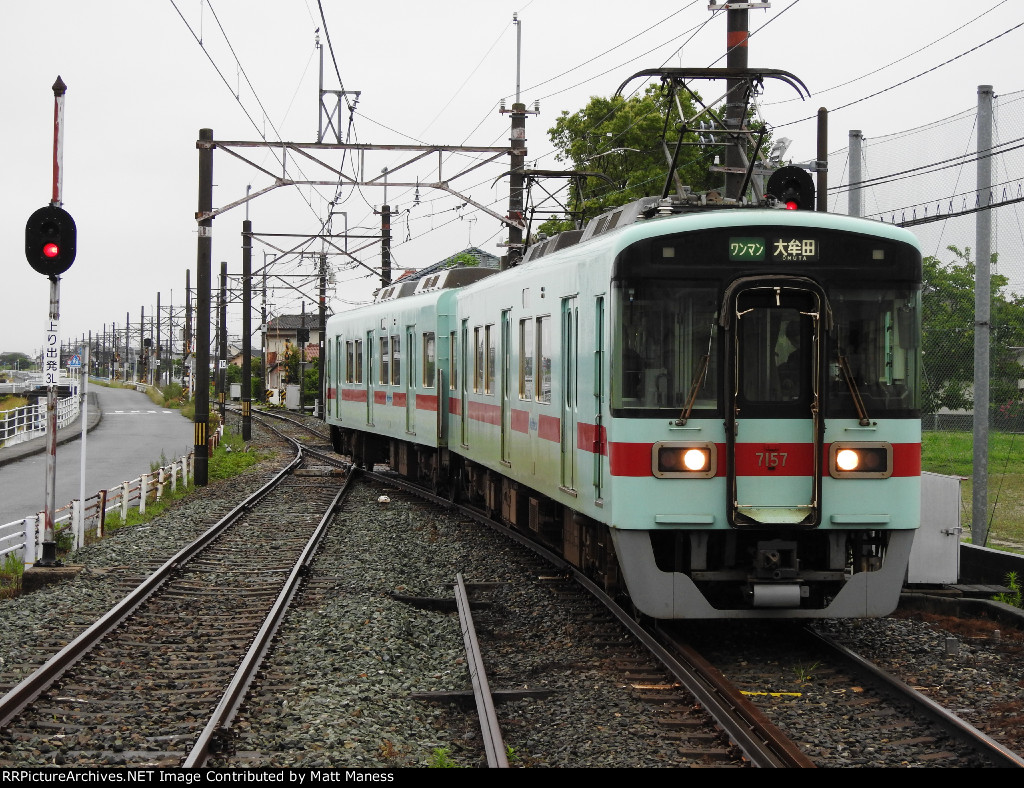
(878, 332)
(667, 327)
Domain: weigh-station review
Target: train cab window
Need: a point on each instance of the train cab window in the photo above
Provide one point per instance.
(357, 352)
(877, 331)
(668, 342)
(773, 363)
(544, 357)
(526, 349)
(396, 360)
(429, 360)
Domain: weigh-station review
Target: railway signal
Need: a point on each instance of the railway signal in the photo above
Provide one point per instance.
(793, 187)
(50, 240)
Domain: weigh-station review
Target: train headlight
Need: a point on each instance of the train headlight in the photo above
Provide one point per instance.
(860, 460)
(684, 460)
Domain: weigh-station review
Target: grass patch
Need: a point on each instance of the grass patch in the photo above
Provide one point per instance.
(951, 453)
(229, 459)
(12, 402)
(11, 571)
(232, 457)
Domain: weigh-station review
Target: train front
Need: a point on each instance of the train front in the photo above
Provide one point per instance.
(764, 445)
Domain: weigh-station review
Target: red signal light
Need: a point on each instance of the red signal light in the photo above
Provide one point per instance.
(51, 250)
(792, 206)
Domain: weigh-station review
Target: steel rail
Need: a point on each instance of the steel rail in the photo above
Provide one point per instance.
(220, 721)
(494, 745)
(761, 742)
(15, 701)
(956, 727)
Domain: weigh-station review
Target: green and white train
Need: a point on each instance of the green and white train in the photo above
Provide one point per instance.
(714, 411)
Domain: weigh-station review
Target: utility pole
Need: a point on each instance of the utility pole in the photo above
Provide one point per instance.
(222, 362)
(303, 340)
(204, 251)
(385, 245)
(982, 318)
(737, 26)
(517, 160)
(159, 366)
(186, 354)
(246, 330)
(322, 330)
(855, 207)
(263, 333)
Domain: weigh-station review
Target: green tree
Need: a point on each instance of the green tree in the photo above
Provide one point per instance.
(625, 140)
(948, 336)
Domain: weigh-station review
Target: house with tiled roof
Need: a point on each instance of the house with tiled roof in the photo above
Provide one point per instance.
(283, 334)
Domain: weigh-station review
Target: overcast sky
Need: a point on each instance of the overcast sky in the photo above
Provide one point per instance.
(144, 76)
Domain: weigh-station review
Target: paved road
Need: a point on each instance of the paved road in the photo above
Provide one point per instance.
(132, 435)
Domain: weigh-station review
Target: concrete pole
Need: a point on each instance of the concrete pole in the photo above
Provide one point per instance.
(737, 27)
(246, 330)
(822, 185)
(856, 207)
(982, 318)
(204, 253)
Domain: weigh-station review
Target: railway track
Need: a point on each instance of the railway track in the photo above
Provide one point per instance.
(362, 675)
(843, 709)
(138, 686)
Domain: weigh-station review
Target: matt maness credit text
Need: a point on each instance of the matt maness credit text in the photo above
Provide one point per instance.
(189, 777)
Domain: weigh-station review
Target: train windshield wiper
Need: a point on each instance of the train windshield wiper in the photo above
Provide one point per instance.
(698, 380)
(858, 403)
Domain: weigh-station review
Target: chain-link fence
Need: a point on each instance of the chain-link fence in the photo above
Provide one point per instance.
(926, 179)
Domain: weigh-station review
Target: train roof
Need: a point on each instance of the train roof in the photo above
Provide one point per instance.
(649, 217)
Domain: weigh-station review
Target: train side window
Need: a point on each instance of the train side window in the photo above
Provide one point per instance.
(429, 359)
(490, 338)
(396, 360)
(357, 358)
(349, 369)
(478, 366)
(385, 361)
(544, 356)
(526, 349)
(453, 362)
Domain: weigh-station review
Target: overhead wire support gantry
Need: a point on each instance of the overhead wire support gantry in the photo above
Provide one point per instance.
(312, 151)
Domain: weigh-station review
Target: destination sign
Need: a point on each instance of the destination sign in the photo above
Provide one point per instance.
(799, 250)
(787, 250)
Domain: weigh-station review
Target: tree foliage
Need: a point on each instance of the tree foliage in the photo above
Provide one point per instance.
(948, 336)
(628, 141)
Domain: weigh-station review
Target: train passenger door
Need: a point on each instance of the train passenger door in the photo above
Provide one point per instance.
(368, 371)
(570, 322)
(464, 385)
(410, 379)
(599, 399)
(775, 449)
(506, 386)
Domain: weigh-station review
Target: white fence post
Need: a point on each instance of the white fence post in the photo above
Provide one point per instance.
(144, 492)
(160, 484)
(78, 522)
(125, 486)
(174, 477)
(30, 540)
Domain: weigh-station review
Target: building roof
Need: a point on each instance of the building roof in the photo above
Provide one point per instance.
(293, 322)
(484, 260)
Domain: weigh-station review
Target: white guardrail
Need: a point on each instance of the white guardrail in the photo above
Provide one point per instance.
(87, 519)
(29, 421)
